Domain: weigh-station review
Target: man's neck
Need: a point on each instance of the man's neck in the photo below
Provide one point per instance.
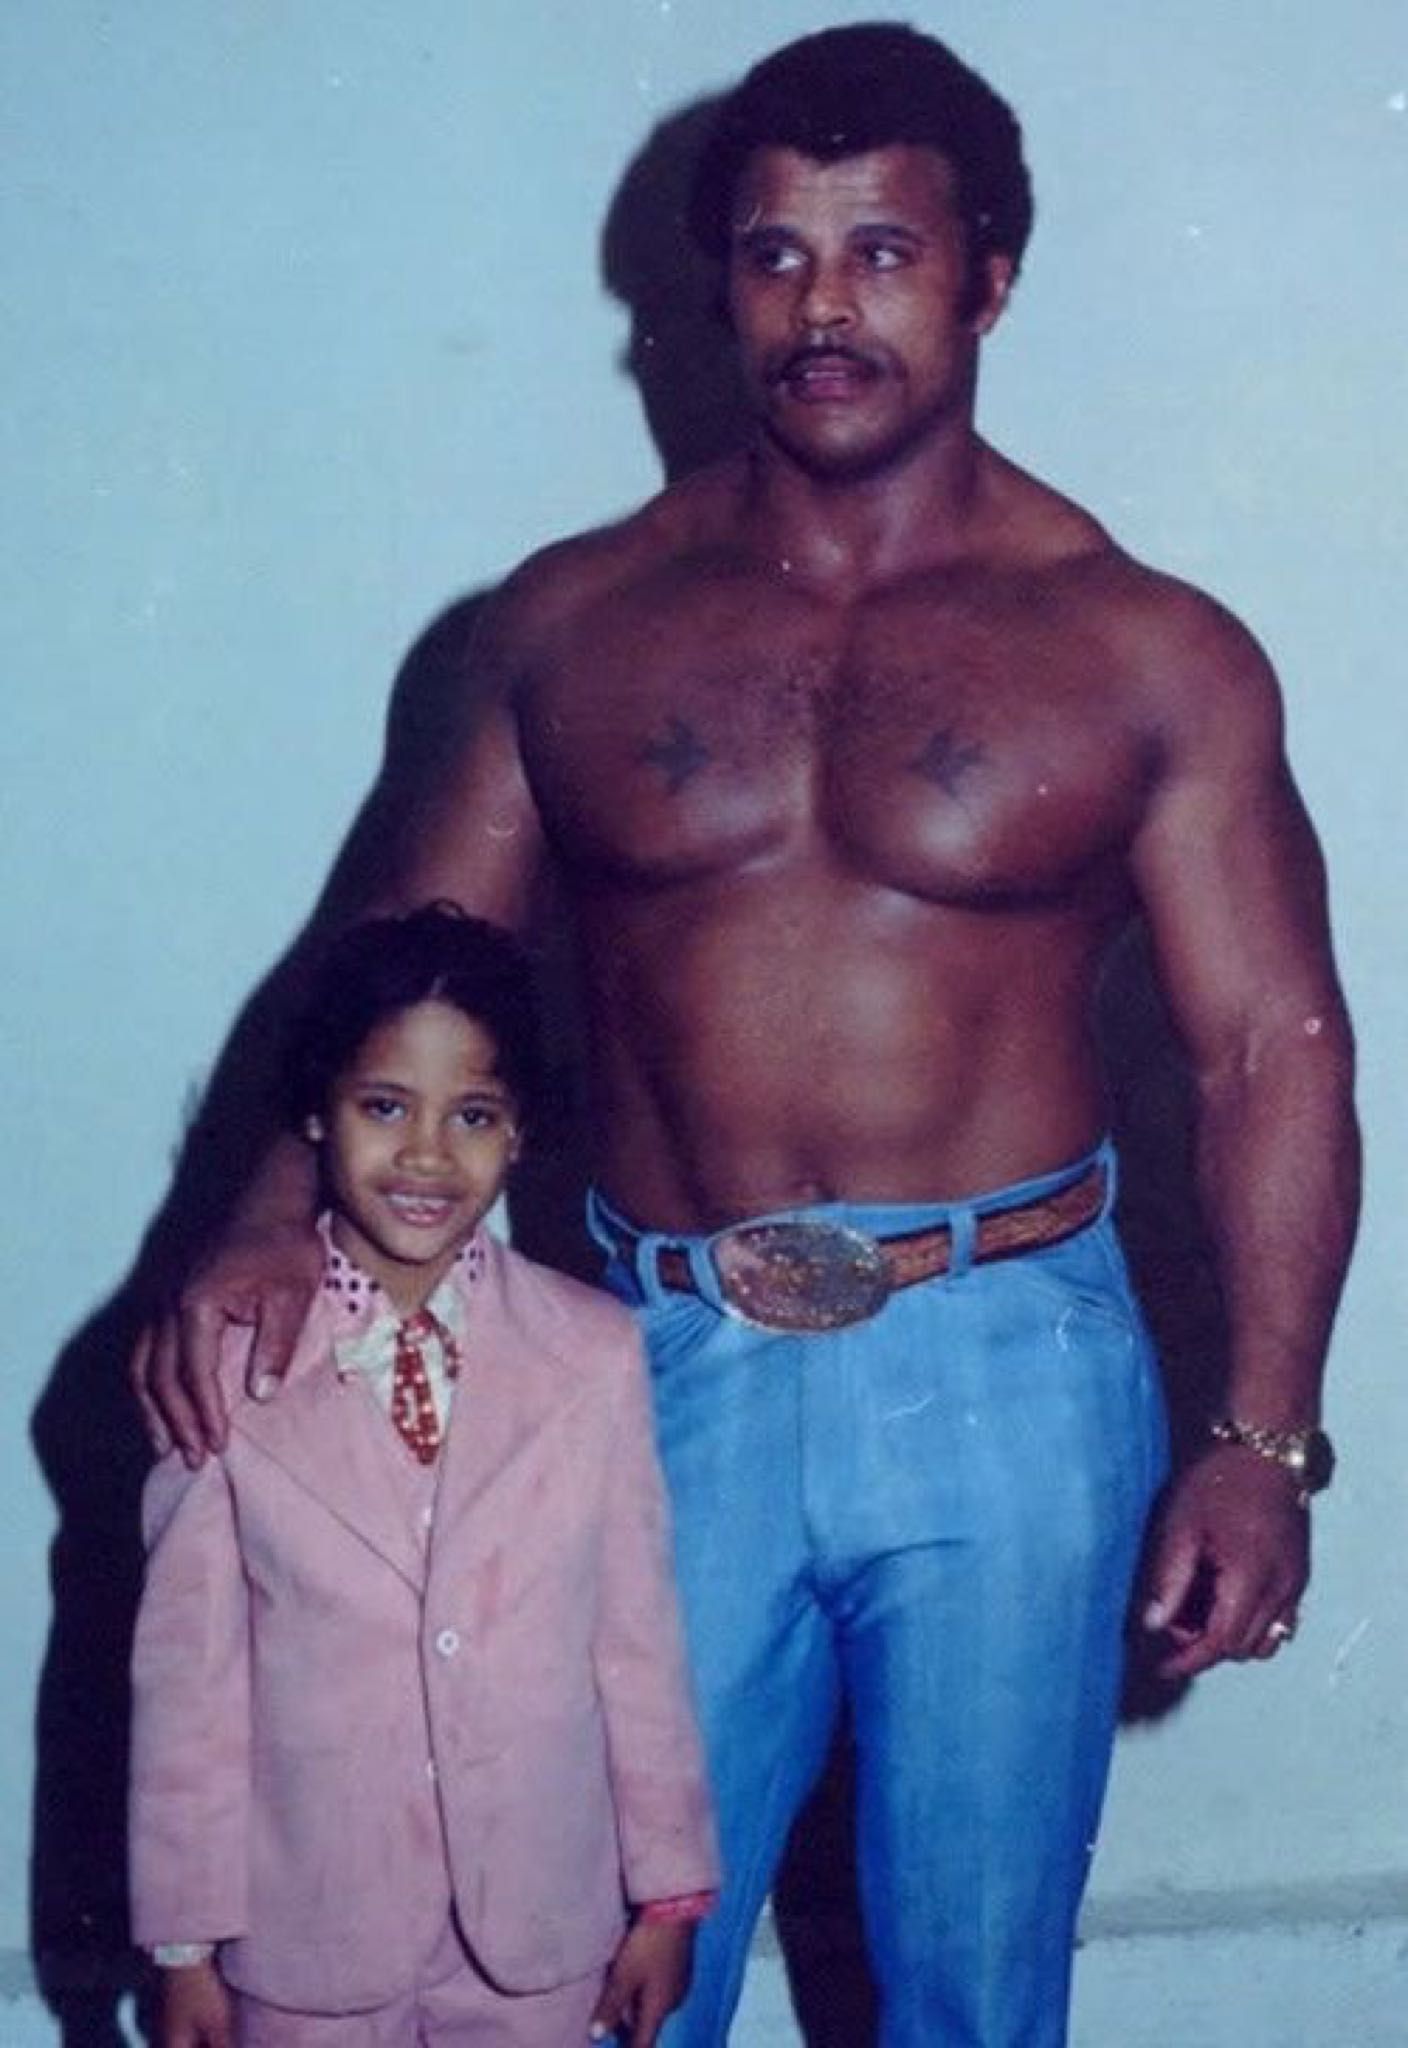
(925, 510)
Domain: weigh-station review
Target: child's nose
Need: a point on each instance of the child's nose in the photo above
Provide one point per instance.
(423, 1141)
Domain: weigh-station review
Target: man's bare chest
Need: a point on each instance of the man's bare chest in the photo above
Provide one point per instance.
(936, 750)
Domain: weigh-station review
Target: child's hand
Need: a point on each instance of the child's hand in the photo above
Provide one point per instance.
(195, 2008)
(649, 1975)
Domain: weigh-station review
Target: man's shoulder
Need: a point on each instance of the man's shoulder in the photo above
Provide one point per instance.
(1186, 675)
(1189, 654)
(1161, 630)
(588, 566)
(1038, 527)
(1027, 522)
(558, 584)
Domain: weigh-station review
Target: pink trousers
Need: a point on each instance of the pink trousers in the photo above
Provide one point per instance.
(453, 2007)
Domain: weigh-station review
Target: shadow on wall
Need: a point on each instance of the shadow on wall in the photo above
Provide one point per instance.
(678, 354)
(85, 1431)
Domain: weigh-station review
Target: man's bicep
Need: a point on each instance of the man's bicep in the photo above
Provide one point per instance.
(471, 833)
(1230, 878)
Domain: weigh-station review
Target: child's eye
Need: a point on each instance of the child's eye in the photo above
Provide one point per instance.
(382, 1109)
(475, 1116)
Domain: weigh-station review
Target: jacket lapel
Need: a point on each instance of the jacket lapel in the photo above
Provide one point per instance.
(516, 1384)
(330, 1437)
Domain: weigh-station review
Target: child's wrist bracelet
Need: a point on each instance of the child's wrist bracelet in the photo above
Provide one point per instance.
(181, 1955)
(689, 1906)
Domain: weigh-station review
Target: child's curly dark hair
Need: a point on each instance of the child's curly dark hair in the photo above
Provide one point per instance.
(376, 969)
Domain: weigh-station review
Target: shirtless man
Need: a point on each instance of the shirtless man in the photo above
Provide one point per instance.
(853, 754)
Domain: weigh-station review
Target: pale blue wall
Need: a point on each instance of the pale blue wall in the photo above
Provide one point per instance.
(305, 337)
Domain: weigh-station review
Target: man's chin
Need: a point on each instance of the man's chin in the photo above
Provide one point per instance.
(844, 459)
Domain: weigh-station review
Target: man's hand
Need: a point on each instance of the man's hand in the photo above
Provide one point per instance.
(1230, 1561)
(195, 2008)
(649, 1975)
(261, 1279)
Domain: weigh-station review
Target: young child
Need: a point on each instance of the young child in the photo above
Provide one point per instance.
(413, 1759)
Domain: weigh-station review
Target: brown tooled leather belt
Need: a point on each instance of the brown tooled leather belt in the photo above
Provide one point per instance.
(813, 1275)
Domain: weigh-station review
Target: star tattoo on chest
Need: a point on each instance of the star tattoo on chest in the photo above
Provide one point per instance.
(679, 754)
(946, 759)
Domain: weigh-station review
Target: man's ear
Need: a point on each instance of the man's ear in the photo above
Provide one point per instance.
(999, 276)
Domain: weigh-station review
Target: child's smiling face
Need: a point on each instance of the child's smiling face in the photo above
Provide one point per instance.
(418, 1138)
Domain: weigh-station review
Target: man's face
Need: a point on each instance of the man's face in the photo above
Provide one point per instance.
(845, 284)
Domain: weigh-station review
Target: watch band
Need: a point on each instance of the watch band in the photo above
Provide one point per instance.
(1306, 1454)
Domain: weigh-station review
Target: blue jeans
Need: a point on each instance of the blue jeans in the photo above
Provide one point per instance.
(937, 1514)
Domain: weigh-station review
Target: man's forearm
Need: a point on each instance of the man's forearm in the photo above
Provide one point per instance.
(1278, 1160)
(280, 1195)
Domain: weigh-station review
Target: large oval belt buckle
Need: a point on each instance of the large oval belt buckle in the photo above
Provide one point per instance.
(801, 1276)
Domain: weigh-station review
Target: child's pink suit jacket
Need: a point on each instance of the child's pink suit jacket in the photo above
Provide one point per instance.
(340, 1728)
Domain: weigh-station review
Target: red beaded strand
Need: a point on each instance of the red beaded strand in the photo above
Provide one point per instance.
(412, 1402)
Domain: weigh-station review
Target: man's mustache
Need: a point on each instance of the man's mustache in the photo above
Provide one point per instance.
(800, 359)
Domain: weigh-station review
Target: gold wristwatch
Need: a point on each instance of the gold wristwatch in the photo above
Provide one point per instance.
(1307, 1454)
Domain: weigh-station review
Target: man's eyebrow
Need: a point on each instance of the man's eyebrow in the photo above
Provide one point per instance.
(749, 230)
(755, 228)
(904, 231)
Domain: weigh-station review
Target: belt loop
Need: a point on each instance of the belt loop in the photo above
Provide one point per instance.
(1107, 1157)
(705, 1274)
(635, 1250)
(646, 1261)
(604, 1228)
(963, 1232)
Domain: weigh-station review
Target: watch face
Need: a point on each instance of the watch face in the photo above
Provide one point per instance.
(1318, 1465)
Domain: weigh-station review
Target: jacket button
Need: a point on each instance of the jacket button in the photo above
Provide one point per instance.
(447, 1642)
